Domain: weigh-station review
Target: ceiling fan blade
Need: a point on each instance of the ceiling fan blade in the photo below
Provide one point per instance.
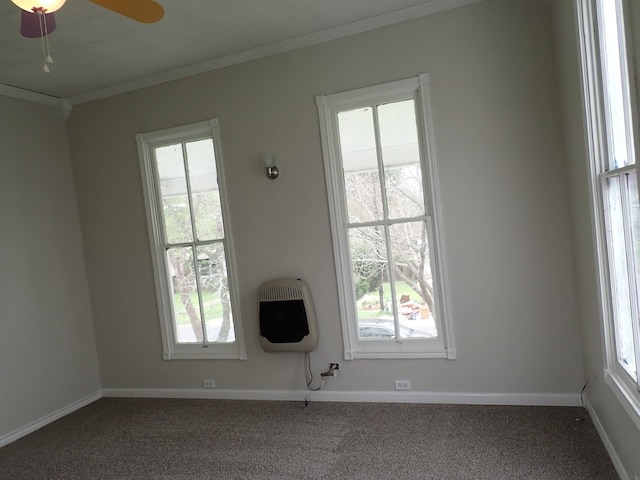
(143, 11)
(30, 24)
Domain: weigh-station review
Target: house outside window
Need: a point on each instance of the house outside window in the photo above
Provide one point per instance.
(389, 254)
(192, 251)
(611, 122)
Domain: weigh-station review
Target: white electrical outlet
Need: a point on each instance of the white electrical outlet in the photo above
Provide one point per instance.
(209, 383)
(403, 385)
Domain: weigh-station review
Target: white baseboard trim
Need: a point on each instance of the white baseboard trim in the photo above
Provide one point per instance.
(615, 459)
(47, 419)
(539, 399)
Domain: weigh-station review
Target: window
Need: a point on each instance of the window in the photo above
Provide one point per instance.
(610, 119)
(380, 173)
(183, 181)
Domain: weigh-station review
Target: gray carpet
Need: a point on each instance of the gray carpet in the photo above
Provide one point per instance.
(221, 439)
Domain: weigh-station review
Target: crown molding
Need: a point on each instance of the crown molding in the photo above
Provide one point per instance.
(9, 91)
(56, 102)
(430, 8)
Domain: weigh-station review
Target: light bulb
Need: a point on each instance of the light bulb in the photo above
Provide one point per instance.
(48, 6)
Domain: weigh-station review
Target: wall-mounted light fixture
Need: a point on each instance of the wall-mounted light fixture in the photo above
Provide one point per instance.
(269, 162)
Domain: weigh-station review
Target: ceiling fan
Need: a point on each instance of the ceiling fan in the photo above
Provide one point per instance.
(38, 20)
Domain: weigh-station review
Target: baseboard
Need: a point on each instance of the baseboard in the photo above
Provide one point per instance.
(617, 464)
(541, 399)
(47, 419)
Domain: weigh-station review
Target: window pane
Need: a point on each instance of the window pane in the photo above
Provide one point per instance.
(186, 304)
(215, 293)
(371, 281)
(414, 282)
(629, 354)
(173, 190)
(204, 189)
(401, 159)
(615, 85)
(360, 164)
(619, 273)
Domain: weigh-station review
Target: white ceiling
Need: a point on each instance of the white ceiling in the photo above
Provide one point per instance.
(98, 53)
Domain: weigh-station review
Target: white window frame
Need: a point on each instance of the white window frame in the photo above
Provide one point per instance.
(329, 106)
(147, 143)
(621, 383)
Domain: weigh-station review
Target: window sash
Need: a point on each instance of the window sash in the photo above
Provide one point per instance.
(614, 74)
(329, 107)
(148, 143)
(199, 289)
(624, 303)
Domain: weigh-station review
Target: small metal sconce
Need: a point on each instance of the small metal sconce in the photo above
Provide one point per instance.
(272, 170)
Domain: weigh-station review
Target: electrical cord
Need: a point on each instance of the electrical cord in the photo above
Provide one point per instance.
(584, 407)
(308, 374)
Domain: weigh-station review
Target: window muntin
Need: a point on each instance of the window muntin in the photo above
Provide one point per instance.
(193, 255)
(377, 173)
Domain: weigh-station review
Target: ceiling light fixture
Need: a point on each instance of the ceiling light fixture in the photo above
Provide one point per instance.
(38, 9)
(38, 20)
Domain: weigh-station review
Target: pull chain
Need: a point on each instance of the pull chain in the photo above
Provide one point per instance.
(44, 36)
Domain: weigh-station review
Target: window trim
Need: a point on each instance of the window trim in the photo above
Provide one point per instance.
(415, 88)
(146, 143)
(596, 135)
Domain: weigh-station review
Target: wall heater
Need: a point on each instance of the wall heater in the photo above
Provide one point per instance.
(287, 316)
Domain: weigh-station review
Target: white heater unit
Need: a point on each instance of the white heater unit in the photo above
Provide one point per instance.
(287, 316)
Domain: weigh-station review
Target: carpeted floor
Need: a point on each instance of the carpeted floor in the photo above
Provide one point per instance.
(222, 439)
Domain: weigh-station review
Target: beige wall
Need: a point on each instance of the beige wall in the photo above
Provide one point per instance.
(506, 219)
(617, 426)
(48, 357)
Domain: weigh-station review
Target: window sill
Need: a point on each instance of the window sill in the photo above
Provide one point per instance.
(204, 356)
(371, 352)
(628, 397)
